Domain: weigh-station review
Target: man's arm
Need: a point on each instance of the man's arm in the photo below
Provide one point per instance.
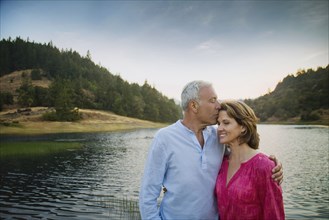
(277, 170)
(152, 182)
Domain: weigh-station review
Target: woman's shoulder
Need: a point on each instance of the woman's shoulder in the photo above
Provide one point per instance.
(263, 162)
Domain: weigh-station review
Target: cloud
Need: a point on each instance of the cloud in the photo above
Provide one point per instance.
(315, 55)
(211, 45)
(208, 19)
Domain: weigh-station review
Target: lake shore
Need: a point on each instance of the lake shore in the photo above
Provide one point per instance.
(29, 122)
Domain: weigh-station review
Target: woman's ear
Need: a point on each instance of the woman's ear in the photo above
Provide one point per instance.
(243, 129)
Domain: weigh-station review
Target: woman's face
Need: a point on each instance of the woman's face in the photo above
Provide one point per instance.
(228, 129)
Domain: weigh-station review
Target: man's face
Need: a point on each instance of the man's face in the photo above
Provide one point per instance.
(208, 106)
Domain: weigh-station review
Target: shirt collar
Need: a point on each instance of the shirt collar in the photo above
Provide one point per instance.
(206, 132)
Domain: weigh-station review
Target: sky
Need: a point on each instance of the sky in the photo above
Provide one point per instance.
(245, 48)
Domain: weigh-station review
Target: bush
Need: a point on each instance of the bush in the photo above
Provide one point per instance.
(36, 74)
(310, 116)
(50, 116)
(58, 115)
(6, 98)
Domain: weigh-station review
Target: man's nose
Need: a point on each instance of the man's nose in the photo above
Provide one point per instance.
(218, 104)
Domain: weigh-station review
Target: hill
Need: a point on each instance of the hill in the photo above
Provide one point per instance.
(300, 98)
(12, 81)
(70, 80)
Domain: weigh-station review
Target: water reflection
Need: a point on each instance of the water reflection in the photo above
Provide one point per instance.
(71, 184)
(304, 152)
(94, 181)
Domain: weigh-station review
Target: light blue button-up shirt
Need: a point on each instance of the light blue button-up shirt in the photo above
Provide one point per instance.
(177, 161)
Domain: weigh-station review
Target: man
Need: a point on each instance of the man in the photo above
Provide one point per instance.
(185, 158)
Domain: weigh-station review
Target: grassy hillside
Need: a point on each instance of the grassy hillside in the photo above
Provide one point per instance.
(11, 82)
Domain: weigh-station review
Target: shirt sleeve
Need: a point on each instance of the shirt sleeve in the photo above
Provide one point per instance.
(152, 181)
(270, 194)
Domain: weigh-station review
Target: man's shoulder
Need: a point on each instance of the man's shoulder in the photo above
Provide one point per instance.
(174, 127)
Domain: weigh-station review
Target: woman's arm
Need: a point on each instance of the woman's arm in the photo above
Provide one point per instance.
(270, 193)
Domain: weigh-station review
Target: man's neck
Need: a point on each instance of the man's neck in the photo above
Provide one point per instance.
(193, 125)
(197, 129)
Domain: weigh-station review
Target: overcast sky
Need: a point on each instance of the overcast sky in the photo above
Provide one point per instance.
(243, 47)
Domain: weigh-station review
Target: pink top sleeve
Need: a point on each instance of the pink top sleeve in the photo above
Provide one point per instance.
(270, 193)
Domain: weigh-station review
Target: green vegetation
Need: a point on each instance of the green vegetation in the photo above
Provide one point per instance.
(26, 92)
(120, 208)
(299, 98)
(61, 94)
(62, 115)
(6, 98)
(78, 82)
(34, 148)
(36, 74)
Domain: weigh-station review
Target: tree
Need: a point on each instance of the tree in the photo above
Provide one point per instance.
(36, 74)
(6, 98)
(88, 55)
(26, 93)
(62, 93)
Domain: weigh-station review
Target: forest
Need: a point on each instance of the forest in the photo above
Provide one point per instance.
(301, 97)
(77, 82)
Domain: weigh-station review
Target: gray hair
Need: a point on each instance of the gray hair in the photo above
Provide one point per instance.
(192, 92)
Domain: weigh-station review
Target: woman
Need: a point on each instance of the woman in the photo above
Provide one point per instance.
(244, 187)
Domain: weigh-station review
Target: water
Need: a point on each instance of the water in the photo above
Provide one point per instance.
(304, 152)
(96, 181)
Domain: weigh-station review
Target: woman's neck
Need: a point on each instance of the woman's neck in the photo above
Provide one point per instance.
(241, 153)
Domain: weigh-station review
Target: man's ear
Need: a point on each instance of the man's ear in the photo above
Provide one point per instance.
(194, 105)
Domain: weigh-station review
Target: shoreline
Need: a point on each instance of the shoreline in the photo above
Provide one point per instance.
(22, 122)
(93, 121)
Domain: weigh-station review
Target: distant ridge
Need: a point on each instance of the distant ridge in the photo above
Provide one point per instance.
(299, 98)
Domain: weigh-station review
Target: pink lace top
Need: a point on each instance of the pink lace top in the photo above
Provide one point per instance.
(251, 193)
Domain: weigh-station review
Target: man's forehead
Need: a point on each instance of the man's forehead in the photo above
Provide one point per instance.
(208, 93)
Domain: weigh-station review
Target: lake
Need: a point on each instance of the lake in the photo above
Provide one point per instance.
(101, 179)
